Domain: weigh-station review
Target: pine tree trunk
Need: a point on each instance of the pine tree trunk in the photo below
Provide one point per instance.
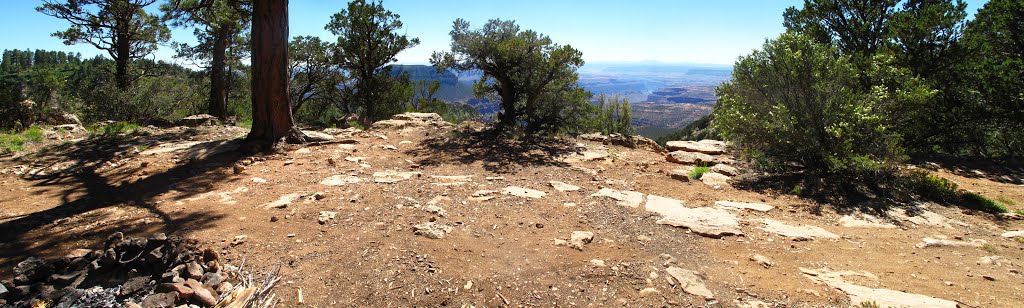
(218, 89)
(123, 51)
(271, 109)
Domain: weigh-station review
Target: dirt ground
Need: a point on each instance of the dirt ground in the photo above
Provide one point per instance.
(499, 252)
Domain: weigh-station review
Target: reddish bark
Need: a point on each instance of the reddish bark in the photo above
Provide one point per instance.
(271, 107)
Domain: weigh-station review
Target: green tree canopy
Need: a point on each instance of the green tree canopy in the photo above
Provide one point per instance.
(534, 78)
(368, 41)
(996, 66)
(218, 24)
(122, 28)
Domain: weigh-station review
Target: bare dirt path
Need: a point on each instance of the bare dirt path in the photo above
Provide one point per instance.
(355, 241)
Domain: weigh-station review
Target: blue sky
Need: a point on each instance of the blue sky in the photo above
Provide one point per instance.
(673, 31)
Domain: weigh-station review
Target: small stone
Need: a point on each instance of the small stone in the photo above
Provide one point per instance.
(283, 201)
(238, 240)
(194, 270)
(183, 292)
(579, 238)
(690, 282)
(273, 219)
(159, 300)
(201, 293)
(762, 260)
(134, 285)
(258, 180)
(212, 279)
(989, 278)
(326, 216)
(318, 196)
(597, 263)
(645, 292)
(468, 286)
(238, 169)
(432, 230)
(65, 279)
(78, 253)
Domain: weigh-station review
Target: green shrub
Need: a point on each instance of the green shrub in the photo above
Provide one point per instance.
(797, 103)
(33, 134)
(698, 172)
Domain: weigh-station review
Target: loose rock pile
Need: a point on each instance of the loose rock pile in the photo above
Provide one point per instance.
(158, 271)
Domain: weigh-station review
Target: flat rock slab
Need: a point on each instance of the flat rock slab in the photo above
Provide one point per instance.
(1012, 234)
(690, 282)
(715, 179)
(689, 158)
(453, 178)
(587, 155)
(725, 169)
(799, 233)
(864, 221)
(483, 195)
(712, 147)
(925, 218)
(391, 176)
(563, 187)
(760, 207)
(705, 221)
(318, 136)
(169, 147)
(941, 242)
(624, 198)
(355, 159)
(283, 201)
(340, 180)
(523, 192)
(880, 297)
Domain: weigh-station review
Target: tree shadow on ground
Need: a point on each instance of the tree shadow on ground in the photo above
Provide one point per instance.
(497, 153)
(874, 196)
(1003, 171)
(92, 191)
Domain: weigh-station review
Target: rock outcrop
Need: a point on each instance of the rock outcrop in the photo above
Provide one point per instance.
(411, 120)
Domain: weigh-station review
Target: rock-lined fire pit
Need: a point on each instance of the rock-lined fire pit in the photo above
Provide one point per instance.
(158, 271)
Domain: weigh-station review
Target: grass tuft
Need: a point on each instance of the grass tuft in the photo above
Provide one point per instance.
(698, 172)
(114, 129)
(940, 189)
(14, 141)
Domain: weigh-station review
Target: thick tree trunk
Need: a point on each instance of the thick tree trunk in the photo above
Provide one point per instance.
(218, 89)
(271, 109)
(123, 54)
